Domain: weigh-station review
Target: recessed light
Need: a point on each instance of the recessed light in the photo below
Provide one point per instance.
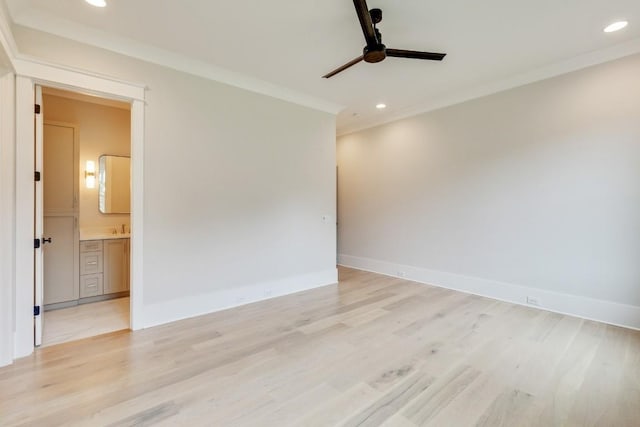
(616, 26)
(381, 106)
(97, 3)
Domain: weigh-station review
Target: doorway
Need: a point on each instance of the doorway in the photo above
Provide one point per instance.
(83, 147)
(23, 306)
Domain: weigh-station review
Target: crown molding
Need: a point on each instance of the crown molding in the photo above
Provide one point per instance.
(131, 48)
(576, 63)
(7, 42)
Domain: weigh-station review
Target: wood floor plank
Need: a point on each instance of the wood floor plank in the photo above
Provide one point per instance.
(508, 409)
(339, 407)
(381, 410)
(372, 350)
(444, 390)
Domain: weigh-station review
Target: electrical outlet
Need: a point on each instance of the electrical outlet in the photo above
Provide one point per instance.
(533, 301)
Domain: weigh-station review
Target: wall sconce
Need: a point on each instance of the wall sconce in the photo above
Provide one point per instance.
(90, 174)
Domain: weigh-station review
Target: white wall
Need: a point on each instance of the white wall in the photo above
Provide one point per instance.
(236, 185)
(102, 130)
(537, 187)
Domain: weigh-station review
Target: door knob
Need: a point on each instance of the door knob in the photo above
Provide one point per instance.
(46, 240)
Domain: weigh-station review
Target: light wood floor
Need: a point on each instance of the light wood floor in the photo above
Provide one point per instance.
(371, 351)
(85, 320)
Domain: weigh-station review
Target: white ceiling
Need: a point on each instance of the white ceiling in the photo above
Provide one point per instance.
(492, 44)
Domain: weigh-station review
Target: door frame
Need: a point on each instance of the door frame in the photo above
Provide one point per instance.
(39, 219)
(28, 74)
(7, 216)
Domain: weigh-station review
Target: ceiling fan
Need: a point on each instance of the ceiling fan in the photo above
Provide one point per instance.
(375, 51)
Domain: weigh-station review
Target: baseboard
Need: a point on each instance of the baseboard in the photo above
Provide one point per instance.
(87, 300)
(613, 313)
(197, 305)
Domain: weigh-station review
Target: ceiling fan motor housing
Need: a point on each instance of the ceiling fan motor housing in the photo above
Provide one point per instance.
(376, 15)
(375, 53)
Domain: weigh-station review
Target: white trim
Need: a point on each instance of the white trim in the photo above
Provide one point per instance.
(7, 218)
(24, 217)
(586, 60)
(62, 77)
(197, 305)
(132, 48)
(613, 313)
(38, 290)
(137, 215)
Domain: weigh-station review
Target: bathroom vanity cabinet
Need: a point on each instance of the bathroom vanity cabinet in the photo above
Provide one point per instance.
(116, 261)
(104, 267)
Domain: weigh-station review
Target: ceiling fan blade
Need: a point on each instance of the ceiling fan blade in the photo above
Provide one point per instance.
(401, 53)
(344, 67)
(365, 22)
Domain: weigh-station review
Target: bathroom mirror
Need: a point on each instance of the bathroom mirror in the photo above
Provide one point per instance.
(114, 176)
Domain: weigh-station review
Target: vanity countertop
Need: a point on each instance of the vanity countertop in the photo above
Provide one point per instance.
(102, 235)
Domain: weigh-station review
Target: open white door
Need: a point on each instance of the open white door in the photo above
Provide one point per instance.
(39, 221)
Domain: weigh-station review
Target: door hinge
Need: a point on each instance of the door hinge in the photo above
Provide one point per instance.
(36, 243)
(37, 176)
(37, 109)
(36, 310)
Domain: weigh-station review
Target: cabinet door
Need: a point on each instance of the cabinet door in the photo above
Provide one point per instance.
(60, 273)
(60, 173)
(127, 257)
(115, 266)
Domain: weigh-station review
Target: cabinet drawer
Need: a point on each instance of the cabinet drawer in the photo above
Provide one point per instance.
(90, 263)
(91, 285)
(91, 246)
